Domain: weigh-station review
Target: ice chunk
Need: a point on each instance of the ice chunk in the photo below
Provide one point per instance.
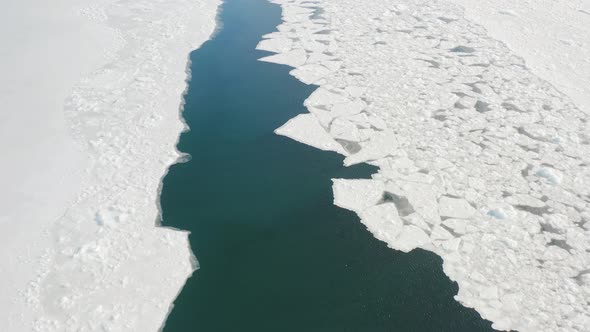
(552, 175)
(383, 221)
(294, 58)
(411, 238)
(357, 195)
(455, 208)
(305, 128)
(276, 45)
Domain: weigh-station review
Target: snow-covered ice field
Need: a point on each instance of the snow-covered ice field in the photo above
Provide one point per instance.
(477, 117)
(90, 94)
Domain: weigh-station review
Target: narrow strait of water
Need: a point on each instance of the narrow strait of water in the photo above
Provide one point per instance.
(275, 254)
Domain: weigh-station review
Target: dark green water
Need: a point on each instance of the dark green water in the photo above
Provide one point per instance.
(274, 253)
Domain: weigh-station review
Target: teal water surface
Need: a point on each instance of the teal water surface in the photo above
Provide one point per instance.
(275, 254)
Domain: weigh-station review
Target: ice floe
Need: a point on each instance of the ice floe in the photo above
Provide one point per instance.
(481, 159)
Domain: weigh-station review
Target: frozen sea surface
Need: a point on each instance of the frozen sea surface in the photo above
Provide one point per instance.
(90, 95)
(482, 160)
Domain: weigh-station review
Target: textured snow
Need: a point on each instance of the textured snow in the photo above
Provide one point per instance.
(480, 132)
(553, 36)
(90, 95)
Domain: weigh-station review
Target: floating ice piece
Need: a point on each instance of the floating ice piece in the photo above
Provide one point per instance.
(294, 58)
(349, 108)
(411, 238)
(357, 195)
(441, 233)
(381, 144)
(344, 130)
(557, 223)
(497, 213)
(555, 253)
(306, 129)
(355, 91)
(310, 74)
(421, 196)
(322, 115)
(276, 45)
(383, 220)
(458, 227)
(318, 57)
(455, 208)
(324, 97)
(552, 175)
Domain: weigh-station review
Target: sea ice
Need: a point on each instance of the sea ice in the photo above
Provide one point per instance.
(481, 158)
(90, 98)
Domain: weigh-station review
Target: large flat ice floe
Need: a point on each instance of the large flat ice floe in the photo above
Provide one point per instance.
(483, 159)
(90, 95)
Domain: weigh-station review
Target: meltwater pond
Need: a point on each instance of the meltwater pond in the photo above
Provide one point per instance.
(275, 254)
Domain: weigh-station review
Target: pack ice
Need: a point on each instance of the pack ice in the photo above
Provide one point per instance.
(482, 160)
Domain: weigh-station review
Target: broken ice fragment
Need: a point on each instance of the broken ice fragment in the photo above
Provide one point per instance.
(455, 208)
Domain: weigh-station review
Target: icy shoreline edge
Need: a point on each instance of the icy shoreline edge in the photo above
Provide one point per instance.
(194, 262)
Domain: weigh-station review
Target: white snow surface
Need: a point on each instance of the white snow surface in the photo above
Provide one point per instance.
(90, 93)
(477, 118)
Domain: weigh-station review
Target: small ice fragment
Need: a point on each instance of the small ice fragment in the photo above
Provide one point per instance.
(555, 253)
(455, 208)
(383, 221)
(550, 174)
(497, 213)
(462, 49)
(294, 58)
(410, 238)
(306, 129)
